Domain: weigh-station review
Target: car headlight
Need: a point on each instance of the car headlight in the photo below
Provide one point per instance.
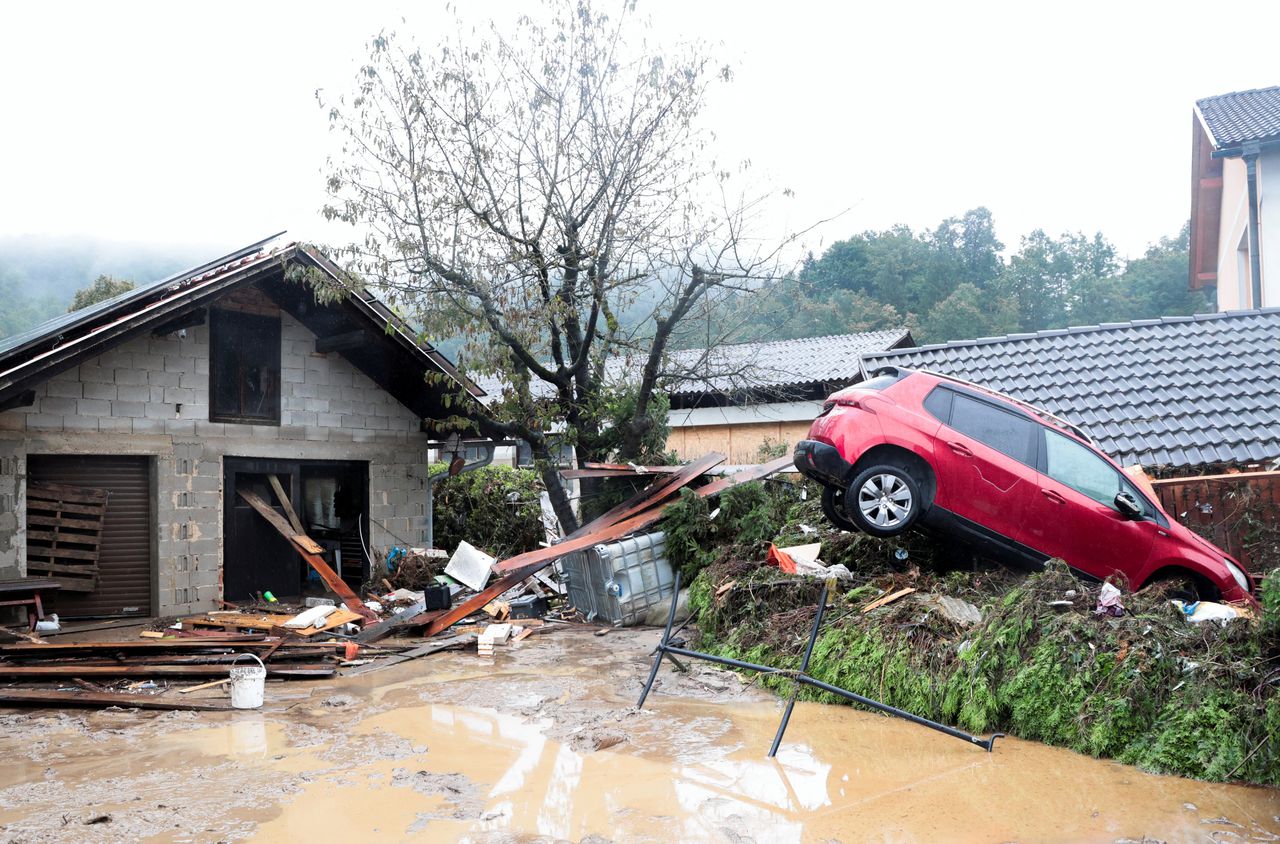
(1241, 579)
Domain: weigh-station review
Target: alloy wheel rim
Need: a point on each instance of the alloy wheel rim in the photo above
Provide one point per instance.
(884, 500)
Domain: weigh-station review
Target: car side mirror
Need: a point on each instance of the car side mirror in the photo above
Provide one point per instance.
(1127, 506)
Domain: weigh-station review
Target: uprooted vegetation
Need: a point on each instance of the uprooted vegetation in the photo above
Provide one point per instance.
(1148, 688)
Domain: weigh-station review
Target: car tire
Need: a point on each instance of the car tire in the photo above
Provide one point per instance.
(883, 500)
(833, 508)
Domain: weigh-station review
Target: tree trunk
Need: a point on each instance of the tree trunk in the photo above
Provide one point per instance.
(555, 489)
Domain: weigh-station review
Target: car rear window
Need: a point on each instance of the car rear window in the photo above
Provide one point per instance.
(880, 382)
(1008, 433)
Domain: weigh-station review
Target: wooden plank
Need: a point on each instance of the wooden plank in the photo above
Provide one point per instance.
(308, 544)
(888, 599)
(66, 492)
(40, 552)
(627, 467)
(659, 490)
(288, 507)
(50, 697)
(326, 572)
(38, 505)
(40, 565)
(1234, 477)
(77, 538)
(78, 584)
(64, 522)
(427, 649)
(126, 670)
(208, 685)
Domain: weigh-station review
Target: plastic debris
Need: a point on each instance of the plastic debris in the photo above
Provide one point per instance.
(1109, 601)
(1199, 612)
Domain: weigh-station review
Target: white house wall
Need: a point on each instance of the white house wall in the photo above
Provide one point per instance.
(1233, 293)
(127, 402)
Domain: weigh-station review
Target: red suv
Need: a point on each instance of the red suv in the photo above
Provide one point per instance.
(915, 449)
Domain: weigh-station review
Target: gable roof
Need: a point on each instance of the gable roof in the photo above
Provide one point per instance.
(393, 356)
(1232, 119)
(780, 365)
(1180, 392)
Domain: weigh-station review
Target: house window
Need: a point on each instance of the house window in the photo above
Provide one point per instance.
(244, 368)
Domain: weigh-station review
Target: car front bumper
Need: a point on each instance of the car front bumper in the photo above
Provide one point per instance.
(822, 463)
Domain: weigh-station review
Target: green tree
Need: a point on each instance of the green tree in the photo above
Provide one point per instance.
(522, 191)
(967, 313)
(104, 287)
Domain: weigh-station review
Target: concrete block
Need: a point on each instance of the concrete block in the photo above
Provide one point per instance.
(353, 421)
(80, 423)
(58, 405)
(133, 392)
(97, 374)
(178, 395)
(44, 421)
(130, 376)
(115, 424)
(312, 433)
(64, 388)
(209, 429)
(292, 375)
(179, 363)
(13, 421)
(150, 425)
(377, 423)
(193, 380)
(202, 366)
(144, 361)
(340, 374)
(157, 410)
(100, 391)
(329, 420)
(128, 408)
(93, 407)
(156, 378)
(302, 417)
(181, 427)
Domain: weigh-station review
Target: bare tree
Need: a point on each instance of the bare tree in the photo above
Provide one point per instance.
(530, 193)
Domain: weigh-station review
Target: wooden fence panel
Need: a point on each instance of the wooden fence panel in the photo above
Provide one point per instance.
(1239, 513)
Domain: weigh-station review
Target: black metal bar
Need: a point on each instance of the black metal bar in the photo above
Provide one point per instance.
(662, 645)
(665, 650)
(804, 668)
(891, 710)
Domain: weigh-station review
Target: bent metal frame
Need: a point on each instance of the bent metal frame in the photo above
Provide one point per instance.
(669, 651)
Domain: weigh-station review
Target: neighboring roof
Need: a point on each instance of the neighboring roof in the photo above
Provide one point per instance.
(779, 365)
(776, 367)
(1179, 392)
(67, 340)
(1231, 119)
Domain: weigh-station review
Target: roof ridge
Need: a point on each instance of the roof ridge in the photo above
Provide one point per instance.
(1079, 329)
(1266, 90)
(900, 331)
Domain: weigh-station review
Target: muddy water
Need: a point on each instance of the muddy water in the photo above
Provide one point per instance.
(539, 745)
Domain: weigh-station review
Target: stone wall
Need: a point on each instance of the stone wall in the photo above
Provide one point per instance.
(150, 396)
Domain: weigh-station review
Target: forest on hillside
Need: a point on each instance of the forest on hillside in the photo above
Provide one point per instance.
(956, 281)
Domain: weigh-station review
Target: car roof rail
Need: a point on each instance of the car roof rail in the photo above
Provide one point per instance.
(1031, 408)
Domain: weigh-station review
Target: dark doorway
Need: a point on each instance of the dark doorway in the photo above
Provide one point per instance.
(124, 558)
(331, 499)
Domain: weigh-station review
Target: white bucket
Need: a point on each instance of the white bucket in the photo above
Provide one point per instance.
(248, 684)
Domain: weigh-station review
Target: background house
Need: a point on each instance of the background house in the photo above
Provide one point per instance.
(175, 396)
(1235, 172)
(739, 398)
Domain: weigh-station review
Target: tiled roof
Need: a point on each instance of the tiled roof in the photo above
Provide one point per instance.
(1242, 116)
(775, 365)
(1180, 392)
(779, 364)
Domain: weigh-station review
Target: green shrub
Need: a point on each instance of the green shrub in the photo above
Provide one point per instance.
(495, 508)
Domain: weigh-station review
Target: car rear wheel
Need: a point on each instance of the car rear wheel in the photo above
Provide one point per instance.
(833, 508)
(883, 500)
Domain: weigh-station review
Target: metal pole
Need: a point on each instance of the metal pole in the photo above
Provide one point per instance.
(662, 648)
(804, 669)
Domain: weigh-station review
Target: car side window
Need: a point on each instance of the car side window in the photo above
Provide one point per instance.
(938, 403)
(1006, 432)
(1073, 465)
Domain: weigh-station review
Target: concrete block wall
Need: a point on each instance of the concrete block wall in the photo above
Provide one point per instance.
(150, 396)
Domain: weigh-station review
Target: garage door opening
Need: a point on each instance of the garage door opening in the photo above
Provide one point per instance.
(68, 532)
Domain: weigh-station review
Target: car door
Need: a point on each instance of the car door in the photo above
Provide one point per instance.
(985, 461)
(1073, 515)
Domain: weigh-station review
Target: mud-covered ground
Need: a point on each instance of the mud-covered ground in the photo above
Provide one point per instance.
(542, 744)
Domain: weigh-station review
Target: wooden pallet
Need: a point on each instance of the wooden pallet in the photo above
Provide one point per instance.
(64, 533)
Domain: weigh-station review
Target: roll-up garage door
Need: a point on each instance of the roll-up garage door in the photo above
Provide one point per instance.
(124, 554)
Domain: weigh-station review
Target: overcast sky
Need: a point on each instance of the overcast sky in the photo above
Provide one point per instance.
(197, 123)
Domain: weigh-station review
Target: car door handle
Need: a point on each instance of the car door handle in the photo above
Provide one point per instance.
(1053, 496)
(960, 449)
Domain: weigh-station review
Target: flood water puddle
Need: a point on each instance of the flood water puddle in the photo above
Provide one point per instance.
(446, 752)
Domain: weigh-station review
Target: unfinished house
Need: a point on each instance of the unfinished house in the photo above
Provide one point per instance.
(128, 430)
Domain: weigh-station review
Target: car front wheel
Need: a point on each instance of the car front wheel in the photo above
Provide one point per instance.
(883, 500)
(833, 508)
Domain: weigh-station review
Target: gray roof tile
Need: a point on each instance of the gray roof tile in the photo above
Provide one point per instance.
(1241, 116)
(1181, 392)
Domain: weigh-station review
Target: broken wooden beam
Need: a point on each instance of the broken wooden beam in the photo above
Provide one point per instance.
(330, 577)
(292, 672)
(54, 697)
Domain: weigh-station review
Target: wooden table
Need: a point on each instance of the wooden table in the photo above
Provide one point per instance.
(27, 592)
